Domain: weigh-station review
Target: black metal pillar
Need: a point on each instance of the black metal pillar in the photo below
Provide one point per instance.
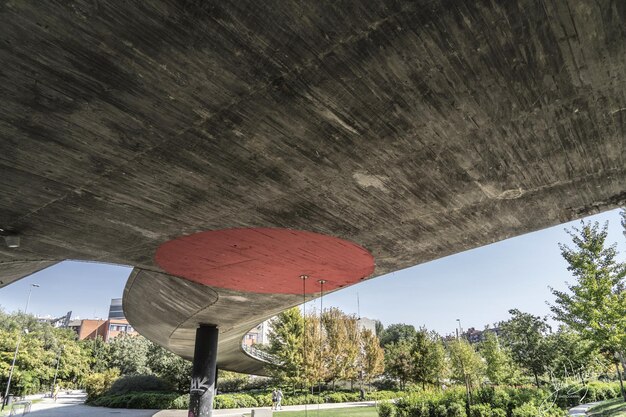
(203, 372)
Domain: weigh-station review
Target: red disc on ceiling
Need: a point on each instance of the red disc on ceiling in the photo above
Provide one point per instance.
(265, 260)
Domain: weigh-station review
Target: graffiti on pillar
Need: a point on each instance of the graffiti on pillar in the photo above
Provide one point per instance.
(200, 386)
(191, 414)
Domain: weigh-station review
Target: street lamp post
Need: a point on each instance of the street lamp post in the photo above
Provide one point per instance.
(17, 348)
(56, 372)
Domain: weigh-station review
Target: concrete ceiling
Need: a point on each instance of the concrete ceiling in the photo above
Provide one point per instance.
(412, 129)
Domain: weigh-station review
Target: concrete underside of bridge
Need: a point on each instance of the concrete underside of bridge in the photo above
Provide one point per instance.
(410, 130)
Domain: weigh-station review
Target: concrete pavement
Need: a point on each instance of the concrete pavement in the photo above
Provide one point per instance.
(72, 405)
(238, 412)
(581, 410)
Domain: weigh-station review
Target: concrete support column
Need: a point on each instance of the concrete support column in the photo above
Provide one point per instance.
(203, 372)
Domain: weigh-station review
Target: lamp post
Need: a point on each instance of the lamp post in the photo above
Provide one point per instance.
(17, 347)
(460, 331)
(56, 372)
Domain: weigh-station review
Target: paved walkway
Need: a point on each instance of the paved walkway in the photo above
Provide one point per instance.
(72, 405)
(581, 410)
(238, 412)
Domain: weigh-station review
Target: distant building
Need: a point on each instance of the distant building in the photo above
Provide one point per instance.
(369, 324)
(476, 336)
(106, 329)
(115, 309)
(62, 322)
(258, 335)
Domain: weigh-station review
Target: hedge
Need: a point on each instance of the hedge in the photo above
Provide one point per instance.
(500, 401)
(169, 400)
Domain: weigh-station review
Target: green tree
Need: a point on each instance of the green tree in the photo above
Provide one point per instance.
(524, 334)
(342, 345)
(500, 367)
(399, 361)
(372, 356)
(428, 357)
(573, 355)
(128, 354)
(397, 332)
(466, 366)
(40, 347)
(315, 350)
(595, 305)
(286, 345)
(170, 367)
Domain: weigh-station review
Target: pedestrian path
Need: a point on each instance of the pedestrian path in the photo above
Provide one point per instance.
(73, 405)
(581, 410)
(238, 412)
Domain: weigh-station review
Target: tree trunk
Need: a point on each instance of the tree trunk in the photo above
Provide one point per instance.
(536, 379)
(468, 399)
(621, 359)
(621, 382)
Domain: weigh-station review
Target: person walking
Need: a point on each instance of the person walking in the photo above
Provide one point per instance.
(279, 399)
(274, 399)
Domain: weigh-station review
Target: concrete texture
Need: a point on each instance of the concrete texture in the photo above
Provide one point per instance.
(413, 129)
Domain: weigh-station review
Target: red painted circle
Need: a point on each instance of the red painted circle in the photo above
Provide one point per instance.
(265, 260)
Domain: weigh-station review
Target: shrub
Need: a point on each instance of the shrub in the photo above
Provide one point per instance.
(480, 410)
(384, 395)
(525, 410)
(99, 383)
(498, 412)
(486, 410)
(456, 409)
(234, 401)
(139, 383)
(143, 400)
(440, 411)
(385, 409)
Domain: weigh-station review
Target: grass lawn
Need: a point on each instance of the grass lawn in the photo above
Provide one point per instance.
(609, 408)
(333, 412)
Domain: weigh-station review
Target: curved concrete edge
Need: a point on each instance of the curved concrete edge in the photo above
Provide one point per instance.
(12, 271)
(168, 309)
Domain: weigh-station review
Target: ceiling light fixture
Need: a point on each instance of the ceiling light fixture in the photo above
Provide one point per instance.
(11, 238)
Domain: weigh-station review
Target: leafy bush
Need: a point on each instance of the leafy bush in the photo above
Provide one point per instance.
(234, 401)
(139, 383)
(142, 400)
(498, 412)
(456, 409)
(99, 383)
(385, 409)
(383, 395)
(486, 410)
(531, 410)
(480, 410)
(440, 411)
(341, 397)
(525, 410)
(302, 399)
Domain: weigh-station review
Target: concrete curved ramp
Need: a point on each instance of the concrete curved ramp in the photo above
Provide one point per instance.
(414, 130)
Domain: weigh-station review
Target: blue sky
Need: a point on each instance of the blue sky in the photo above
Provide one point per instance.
(478, 286)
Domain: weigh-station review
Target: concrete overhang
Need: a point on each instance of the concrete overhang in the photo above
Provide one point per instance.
(413, 129)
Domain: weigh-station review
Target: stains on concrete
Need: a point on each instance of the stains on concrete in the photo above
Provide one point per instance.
(414, 129)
